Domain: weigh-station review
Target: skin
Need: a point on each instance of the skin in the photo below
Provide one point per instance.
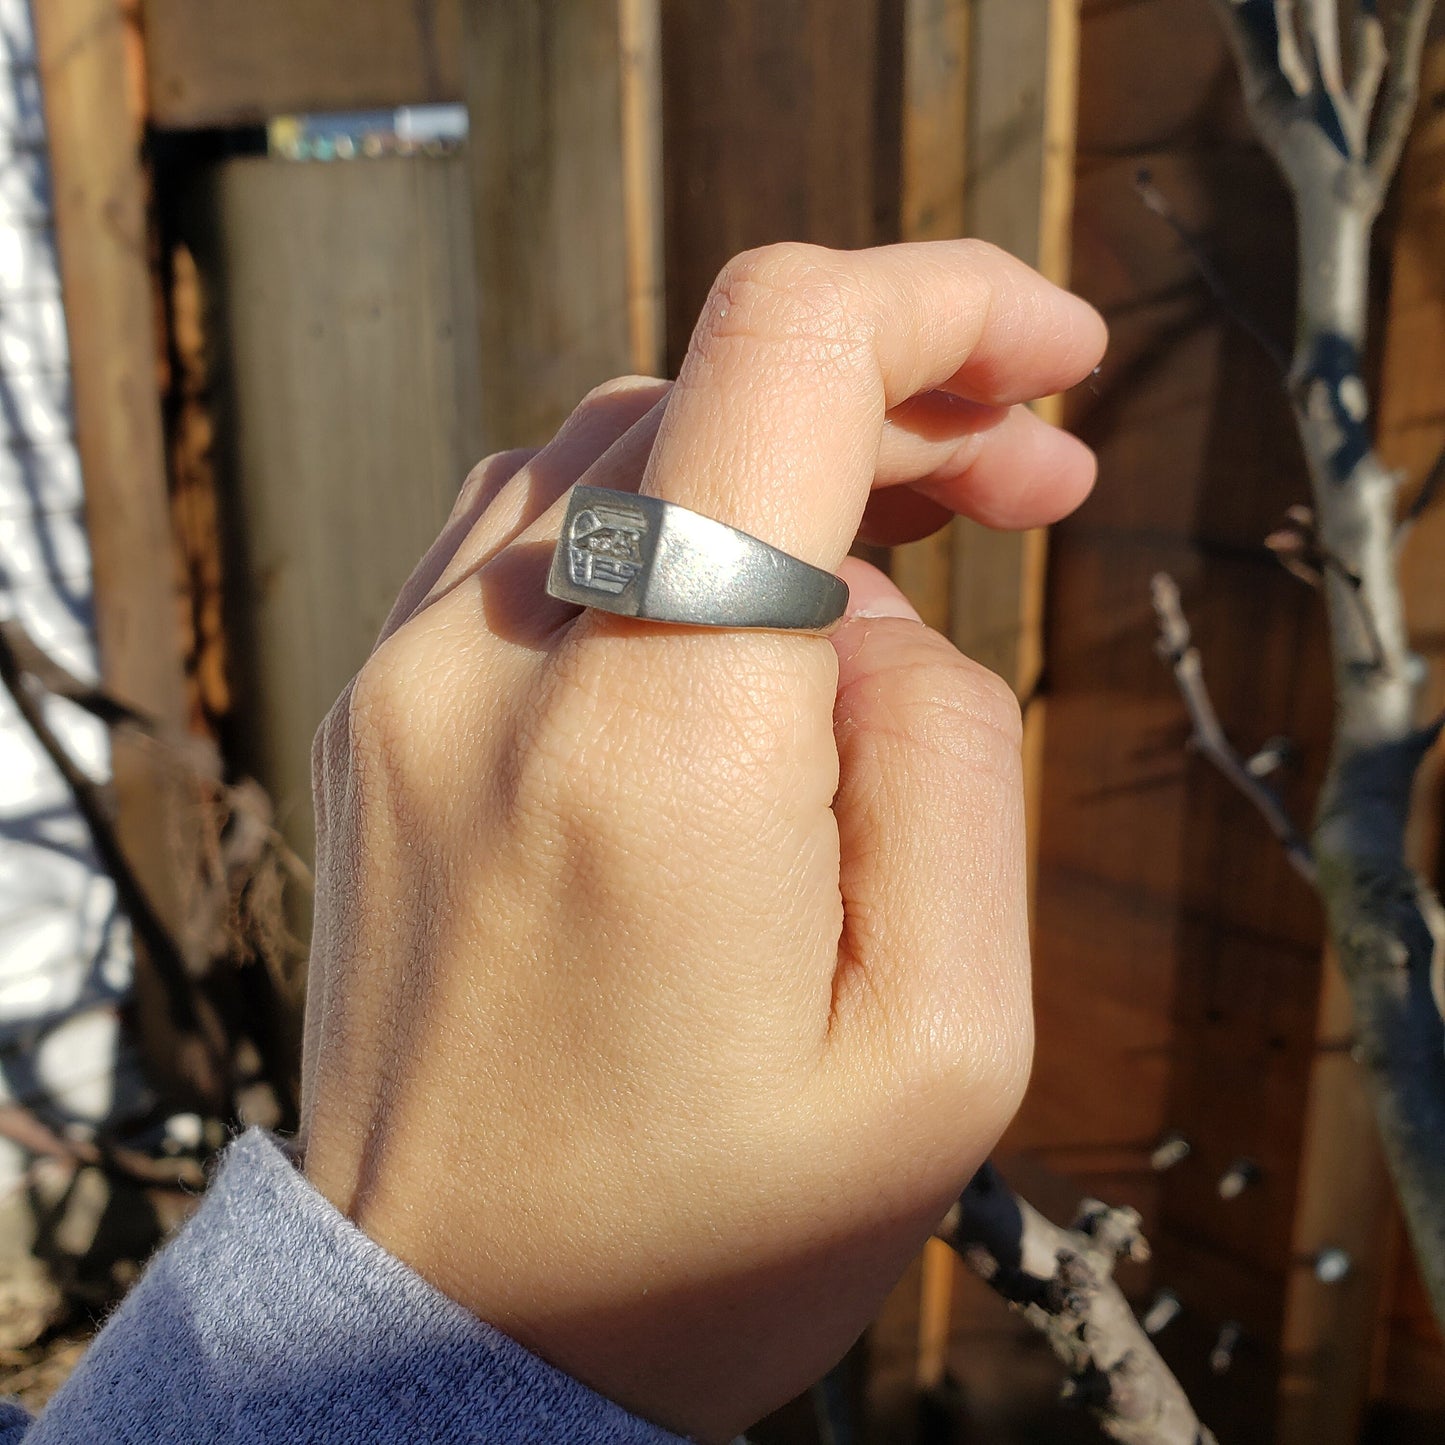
(668, 984)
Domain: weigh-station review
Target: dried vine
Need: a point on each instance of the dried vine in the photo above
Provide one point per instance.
(228, 973)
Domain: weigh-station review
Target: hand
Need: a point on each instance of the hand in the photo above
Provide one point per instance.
(668, 985)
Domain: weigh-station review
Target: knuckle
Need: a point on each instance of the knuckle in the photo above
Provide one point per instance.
(776, 267)
(489, 466)
(705, 745)
(554, 754)
(788, 293)
(379, 738)
(962, 710)
(617, 386)
(988, 700)
(977, 1048)
(610, 408)
(373, 697)
(488, 477)
(984, 254)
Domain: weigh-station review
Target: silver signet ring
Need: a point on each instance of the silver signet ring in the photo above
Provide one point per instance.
(643, 557)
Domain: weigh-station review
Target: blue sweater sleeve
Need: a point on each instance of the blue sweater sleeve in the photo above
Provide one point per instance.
(271, 1320)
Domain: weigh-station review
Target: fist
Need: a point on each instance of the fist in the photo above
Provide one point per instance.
(668, 984)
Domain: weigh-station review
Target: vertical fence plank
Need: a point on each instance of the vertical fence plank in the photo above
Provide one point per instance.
(101, 234)
(544, 93)
(340, 301)
(933, 177)
(1019, 196)
(1345, 1202)
(769, 134)
(641, 27)
(933, 171)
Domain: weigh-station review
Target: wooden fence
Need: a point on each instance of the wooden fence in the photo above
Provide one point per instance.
(377, 324)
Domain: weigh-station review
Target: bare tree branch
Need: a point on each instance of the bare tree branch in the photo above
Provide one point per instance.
(1278, 83)
(1385, 923)
(1402, 89)
(1296, 544)
(1062, 1282)
(1176, 647)
(1323, 18)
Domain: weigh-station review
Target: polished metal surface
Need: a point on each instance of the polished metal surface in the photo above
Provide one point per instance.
(643, 557)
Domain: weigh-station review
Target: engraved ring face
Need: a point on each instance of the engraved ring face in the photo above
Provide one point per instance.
(604, 547)
(640, 556)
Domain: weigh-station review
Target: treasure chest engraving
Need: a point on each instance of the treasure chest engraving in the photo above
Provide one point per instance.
(604, 547)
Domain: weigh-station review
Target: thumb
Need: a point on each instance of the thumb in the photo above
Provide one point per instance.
(933, 970)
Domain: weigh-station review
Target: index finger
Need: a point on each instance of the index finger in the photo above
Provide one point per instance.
(774, 422)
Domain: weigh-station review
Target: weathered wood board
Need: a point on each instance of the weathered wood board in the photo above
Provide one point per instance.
(217, 62)
(341, 302)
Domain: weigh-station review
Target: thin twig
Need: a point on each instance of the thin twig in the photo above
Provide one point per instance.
(1430, 490)
(1371, 59)
(1062, 1282)
(1300, 550)
(1176, 647)
(1292, 63)
(197, 756)
(1157, 202)
(1352, 103)
(1276, 81)
(161, 948)
(1323, 19)
(24, 1128)
(1401, 89)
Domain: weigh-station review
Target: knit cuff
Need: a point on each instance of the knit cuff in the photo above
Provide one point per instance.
(273, 1320)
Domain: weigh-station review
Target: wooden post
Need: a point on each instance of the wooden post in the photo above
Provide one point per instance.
(339, 300)
(102, 237)
(89, 72)
(544, 90)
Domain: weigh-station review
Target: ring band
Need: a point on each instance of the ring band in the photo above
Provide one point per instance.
(644, 557)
